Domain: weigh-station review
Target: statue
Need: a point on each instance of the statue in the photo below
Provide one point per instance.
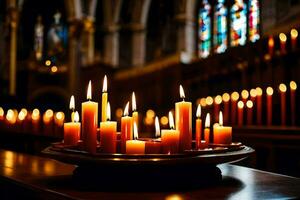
(38, 39)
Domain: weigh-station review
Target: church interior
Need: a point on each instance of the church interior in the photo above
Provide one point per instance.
(232, 63)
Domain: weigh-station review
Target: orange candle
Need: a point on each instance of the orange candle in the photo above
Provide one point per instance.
(22, 119)
(198, 126)
(240, 113)
(259, 105)
(35, 121)
(104, 100)
(135, 146)
(249, 106)
(183, 116)
(294, 36)
(282, 38)
(170, 138)
(207, 129)
(271, 44)
(234, 98)
(48, 123)
(217, 101)
(282, 90)
(135, 114)
(72, 107)
(222, 134)
(59, 119)
(126, 128)
(89, 122)
(269, 92)
(108, 134)
(293, 87)
(153, 146)
(226, 98)
(72, 131)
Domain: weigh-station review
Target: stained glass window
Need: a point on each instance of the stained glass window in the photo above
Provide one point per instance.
(238, 30)
(253, 20)
(220, 27)
(204, 22)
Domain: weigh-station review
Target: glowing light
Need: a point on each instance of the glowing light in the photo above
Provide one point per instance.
(225, 97)
(258, 91)
(35, 114)
(133, 104)
(218, 99)
(203, 102)
(269, 91)
(1, 112)
(209, 100)
(235, 96)
(21, 116)
(294, 33)
(89, 91)
(119, 112)
(171, 120)
(207, 120)
(76, 117)
(104, 89)
(10, 115)
(220, 118)
(157, 128)
(181, 92)
(54, 69)
(253, 92)
(164, 120)
(240, 104)
(150, 113)
(59, 115)
(135, 131)
(293, 85)
(72, 103)
(282, 37)
(47, 63)
(271, 42)
(49, 113)
(245, 94)
(282, 87)
(126, 110)
(198, 112)
(174, 197)
(249, 104)
(108, 113)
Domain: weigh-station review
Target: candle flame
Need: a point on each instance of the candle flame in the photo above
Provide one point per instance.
(21, 115)
(89, 91)
(235, 96)
(207, 120)
(271, 41)
(10, 115)
(35, 114)
(253, 93)
(225, 97)
(258, 91)
(220, 118)
(59, 115)
(209, 100)
(198, 112)
(76, 117)
(249, 104)
(282, 87)
(171, 121)
(108, 113)
(104, 89)
(293, 85)
(135, 131)
(218, 99)
(157, 128)
(126, 110)
(1, 112)
(203, 102)
(72, 103)
(282, 37)
(181, 92)
(294, 33)
(240, 104)
(245, 94)
(133, 102)
(269, 91)
(49, 113)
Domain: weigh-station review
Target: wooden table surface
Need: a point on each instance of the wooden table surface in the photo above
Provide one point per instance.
(26, 176)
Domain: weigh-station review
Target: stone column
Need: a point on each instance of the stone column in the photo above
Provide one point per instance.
(88, 47)
(111, 45)
(138, 45)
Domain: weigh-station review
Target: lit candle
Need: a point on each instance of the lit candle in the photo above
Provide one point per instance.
(153, 146)
(104, 100)
(126, 128)
(259, 105)
(293, 87)
(22, 119)
(72, 107)
(59, 119)
(282, 90)
(207, 129)
(135, 146)
(222, 134)
(244, 95)
(89, 122)
(198, 126)
(271, 45)
(183, 116)
(249, 105)
(226, 98)
(218, 101)
(35, 121)
(282, 38)
(234, 98)
(108, 133)
(48, 122)
(135, 114)
(240, 113)
(294, 36)
(269, 92)
(72, 131)
(170, 138)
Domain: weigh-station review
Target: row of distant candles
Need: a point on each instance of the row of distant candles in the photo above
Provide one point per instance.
(250, 101)
(283, 40)
(49, 123)
(176, 139)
